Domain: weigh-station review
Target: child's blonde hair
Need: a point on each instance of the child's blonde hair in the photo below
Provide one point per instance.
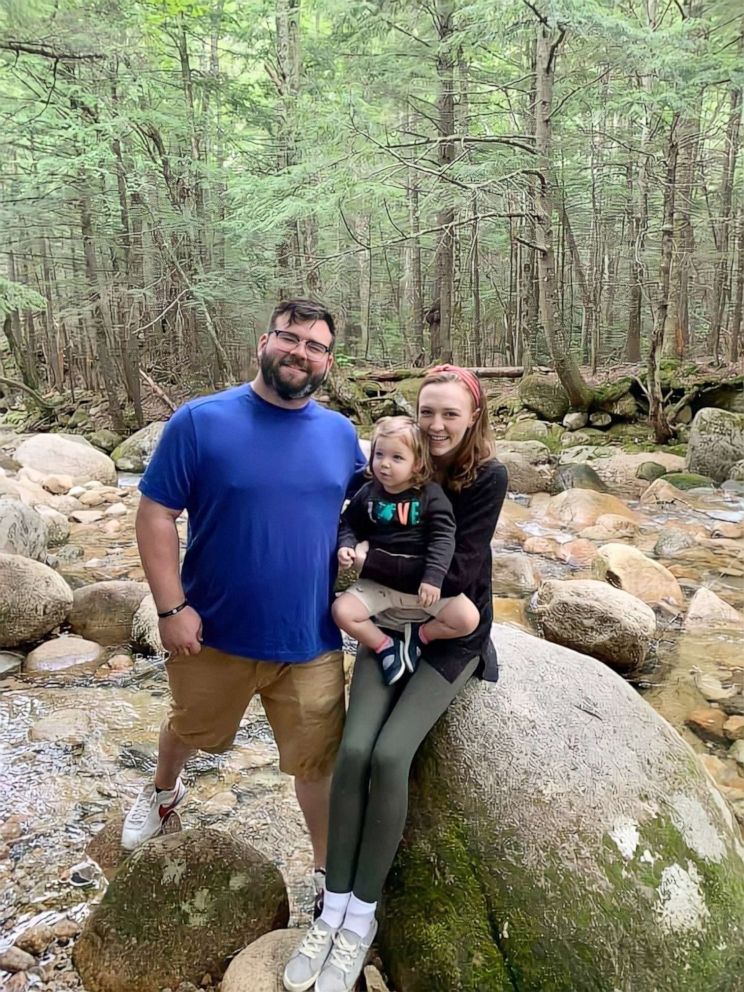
(407, 429)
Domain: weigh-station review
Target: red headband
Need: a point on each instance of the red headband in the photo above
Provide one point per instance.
(466, 377)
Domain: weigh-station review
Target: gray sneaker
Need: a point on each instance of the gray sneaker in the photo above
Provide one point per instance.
(346, 960)
(305, 964)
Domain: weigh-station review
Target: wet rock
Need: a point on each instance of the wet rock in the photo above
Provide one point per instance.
(511, 519)
(547, 547)
(529, 465)
(145, 630)
(545, 395)
(688, 480)
(736, 751)
(22, 530)
(733, 728)
(36, 939)
(105, 847)
(579, 508)
(66, 929)
(600, 419)
(33, 600)
(514, 574)
(627, 568)
(134, 454)
(63, 454)
(650, 471)
(198, 897)
(104, 611)
(116, 510)
(57, 525)
(671, 541)
(10, 662)
(58, 485)
(534, 430)
(507, 610)
(70, 553)
(707, 723)
(586, 437)
(618, 826)
(716, 443)
(259, 967)
(578, 554)
(63, 654)
(577, 476)
(14, 959)
(712, 688)
(595, 619)
(69, 726)
(86, 516)
(708, 610)
(576, 420)
(17, 983)
(618, 471)
(104, 439)
(609, 526)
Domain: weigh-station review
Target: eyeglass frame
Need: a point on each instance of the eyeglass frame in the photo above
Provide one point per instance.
(327, 350)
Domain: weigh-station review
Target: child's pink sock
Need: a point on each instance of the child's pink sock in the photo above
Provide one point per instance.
(386, 642)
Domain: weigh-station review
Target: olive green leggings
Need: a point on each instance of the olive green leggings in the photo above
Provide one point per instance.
(369, 797)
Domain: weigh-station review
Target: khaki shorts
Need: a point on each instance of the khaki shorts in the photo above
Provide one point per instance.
(393, 607)
(303, 702)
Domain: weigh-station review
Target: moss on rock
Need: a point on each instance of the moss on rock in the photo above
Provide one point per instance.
(688, 480)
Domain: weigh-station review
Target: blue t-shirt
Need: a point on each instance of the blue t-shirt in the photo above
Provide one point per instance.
(263, 487)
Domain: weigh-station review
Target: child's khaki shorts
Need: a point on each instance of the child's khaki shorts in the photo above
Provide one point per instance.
(393, 604)
(304, 703)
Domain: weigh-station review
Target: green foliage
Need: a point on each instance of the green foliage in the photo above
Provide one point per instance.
(14, 296)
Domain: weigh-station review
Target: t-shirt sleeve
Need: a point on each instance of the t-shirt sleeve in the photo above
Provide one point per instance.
(172, 470)
(353, 527)
(359, 478)
(476, 517)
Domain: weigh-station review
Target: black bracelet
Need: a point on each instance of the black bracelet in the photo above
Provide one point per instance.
(172, 613)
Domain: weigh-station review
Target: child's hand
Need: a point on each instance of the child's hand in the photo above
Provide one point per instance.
(360, 555)
(428, 595)
(345, 557)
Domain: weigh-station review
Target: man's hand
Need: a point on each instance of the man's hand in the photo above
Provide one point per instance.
(182, 633)
(428, 595)
(360, 555)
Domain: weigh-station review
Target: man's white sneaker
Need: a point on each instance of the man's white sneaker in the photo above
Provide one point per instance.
(305, 964)
(346, 960)
(150, 811)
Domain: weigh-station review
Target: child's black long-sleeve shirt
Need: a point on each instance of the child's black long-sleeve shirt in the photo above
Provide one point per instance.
(411, 534)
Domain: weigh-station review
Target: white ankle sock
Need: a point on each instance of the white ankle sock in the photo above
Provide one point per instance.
(334, 908)
(359, 916)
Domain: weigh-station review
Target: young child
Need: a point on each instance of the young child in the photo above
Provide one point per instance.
(399, 531)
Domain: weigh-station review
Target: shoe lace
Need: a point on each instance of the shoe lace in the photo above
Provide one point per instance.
(313, 941)
(343, 953)
(142, 806)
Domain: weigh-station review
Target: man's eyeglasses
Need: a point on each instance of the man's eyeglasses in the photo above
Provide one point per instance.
(288, 341)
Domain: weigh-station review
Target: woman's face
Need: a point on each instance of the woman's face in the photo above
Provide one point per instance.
(445, 412)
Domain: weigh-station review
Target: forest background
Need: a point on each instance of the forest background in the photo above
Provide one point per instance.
(494, 182)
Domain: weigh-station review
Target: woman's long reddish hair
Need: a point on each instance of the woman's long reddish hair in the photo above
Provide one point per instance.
(477, 445)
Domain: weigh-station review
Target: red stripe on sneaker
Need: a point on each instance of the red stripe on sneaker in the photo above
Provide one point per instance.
(165, 810)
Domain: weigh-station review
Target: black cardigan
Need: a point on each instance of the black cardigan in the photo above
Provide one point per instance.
(476, 508)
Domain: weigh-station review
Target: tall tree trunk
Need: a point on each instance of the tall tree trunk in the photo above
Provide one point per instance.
(657, 415)
(677, 330)
(414, 293)
(548, 44)
(287, 82)
(738, 292)
(441, 339)
(721, 280)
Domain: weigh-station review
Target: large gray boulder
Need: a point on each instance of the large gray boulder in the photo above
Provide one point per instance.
(545, 395)
(22, 530)
(33, 600)
(134, 454)
(562, 837)
(529, 465)
(716, 443)
(62, 454)
(178, 908)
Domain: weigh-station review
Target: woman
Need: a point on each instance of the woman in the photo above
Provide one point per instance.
(386, 724)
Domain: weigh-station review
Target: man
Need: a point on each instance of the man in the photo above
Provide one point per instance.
(262, 471)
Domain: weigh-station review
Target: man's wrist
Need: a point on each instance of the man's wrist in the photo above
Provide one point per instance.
(171, 613)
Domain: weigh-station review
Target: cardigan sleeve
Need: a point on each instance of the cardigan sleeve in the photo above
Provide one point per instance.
(476, 514)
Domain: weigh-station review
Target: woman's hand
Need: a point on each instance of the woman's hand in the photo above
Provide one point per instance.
(182, 633)
(428, 595)
(360, 555)
(345, 557)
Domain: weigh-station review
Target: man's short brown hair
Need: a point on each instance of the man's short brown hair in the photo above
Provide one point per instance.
(301, 311)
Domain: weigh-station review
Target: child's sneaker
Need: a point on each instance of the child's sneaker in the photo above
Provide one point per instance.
(412, 645)
(391, 660)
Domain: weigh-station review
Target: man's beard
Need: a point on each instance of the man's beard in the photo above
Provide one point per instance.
(271, 372)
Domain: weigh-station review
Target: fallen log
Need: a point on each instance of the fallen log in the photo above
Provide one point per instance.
(484, 372)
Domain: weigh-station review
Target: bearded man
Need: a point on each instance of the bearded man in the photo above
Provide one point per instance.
(262, 471)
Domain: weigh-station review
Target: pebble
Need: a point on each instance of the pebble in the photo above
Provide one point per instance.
(36, 939)
(66, 929)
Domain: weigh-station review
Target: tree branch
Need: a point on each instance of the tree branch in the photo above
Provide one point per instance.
(48, 52)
